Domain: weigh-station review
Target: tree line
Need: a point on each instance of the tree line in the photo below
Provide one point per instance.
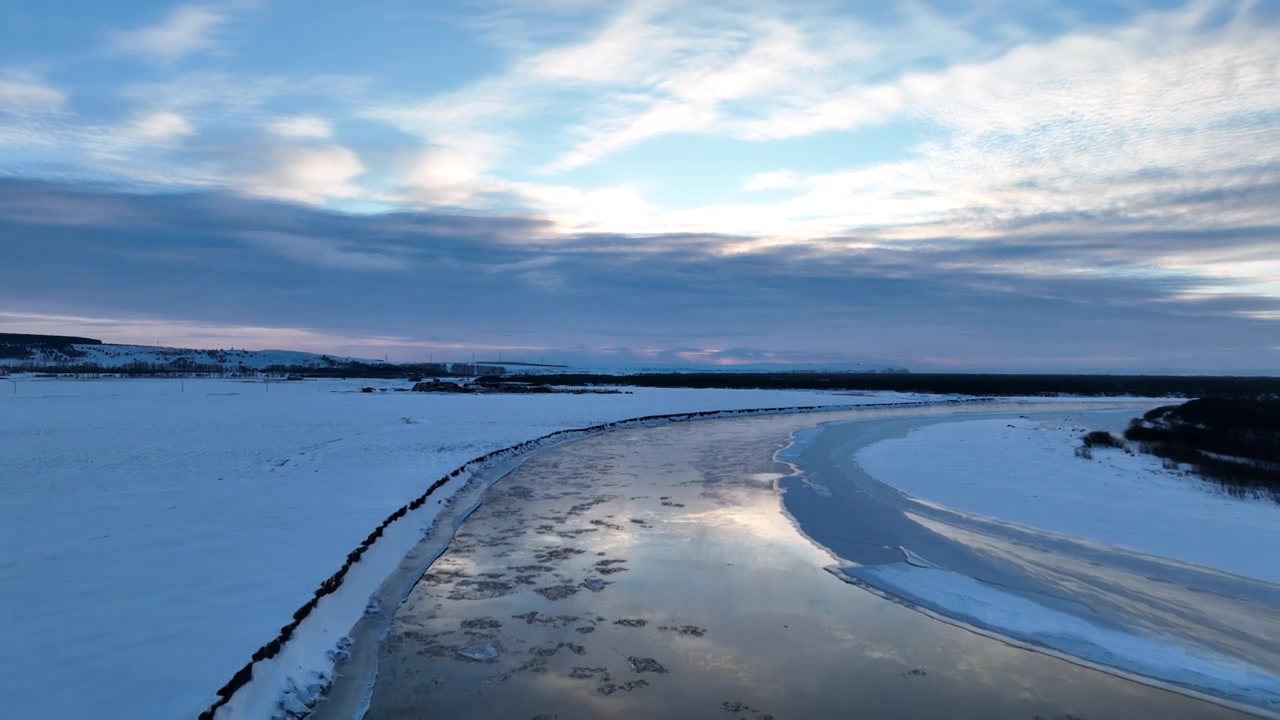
(943, 383)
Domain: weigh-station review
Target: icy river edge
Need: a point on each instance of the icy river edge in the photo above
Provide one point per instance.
(1188, 627)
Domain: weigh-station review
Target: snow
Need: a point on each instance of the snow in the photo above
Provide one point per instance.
(981, 605)
(157, 532)
(1025, 471)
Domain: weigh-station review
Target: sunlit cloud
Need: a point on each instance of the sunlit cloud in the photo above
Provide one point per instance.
(302, 126)
(308, 174)
(160, 126)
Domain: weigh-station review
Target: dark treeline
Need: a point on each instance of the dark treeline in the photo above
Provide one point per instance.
(1044, 385)
(1239, 428)
(45, 340)
(1234, 442)
(20, 346)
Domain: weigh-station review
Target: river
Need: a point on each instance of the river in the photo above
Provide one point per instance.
(656, 572)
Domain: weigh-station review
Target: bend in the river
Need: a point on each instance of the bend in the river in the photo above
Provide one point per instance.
(655, 572)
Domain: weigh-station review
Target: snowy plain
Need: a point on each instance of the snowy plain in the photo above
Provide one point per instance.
(156, 532)
(1025, 471)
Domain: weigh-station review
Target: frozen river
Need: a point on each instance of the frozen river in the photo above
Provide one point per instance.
(659, 572)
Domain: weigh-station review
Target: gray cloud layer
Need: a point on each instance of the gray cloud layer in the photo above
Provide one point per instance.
(465, 280)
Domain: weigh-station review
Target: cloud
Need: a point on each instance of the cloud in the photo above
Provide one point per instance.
(187, 29)
(454, 170)
(661, 118)
(574, 209)
(24, 93)
(460, 142)
(159, 126)
(1028, 120)
(308, 174)
(669, 70)
(302, 126)
(1164, 123)
(321, 252)
(652, 69)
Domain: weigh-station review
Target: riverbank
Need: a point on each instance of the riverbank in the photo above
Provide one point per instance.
(173, 527)
(1114, 607)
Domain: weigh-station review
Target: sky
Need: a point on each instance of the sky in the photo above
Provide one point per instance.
(947, 185)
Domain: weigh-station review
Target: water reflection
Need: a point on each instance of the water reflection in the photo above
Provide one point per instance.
(653, 573)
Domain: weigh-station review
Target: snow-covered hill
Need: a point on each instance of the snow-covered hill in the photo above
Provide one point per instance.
(114, 356)
(50, 352)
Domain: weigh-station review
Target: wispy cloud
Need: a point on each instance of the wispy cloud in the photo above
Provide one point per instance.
(159, 126)
(1030, 124)
(670, 70)
(302, 126)
(22, 92)
(187, 29)
(225, 96)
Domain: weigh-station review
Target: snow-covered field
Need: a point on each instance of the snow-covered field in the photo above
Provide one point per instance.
(156, 532)
(1025, 471)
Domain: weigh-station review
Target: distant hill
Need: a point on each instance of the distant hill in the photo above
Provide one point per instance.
(53, 353)
(46, 352)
